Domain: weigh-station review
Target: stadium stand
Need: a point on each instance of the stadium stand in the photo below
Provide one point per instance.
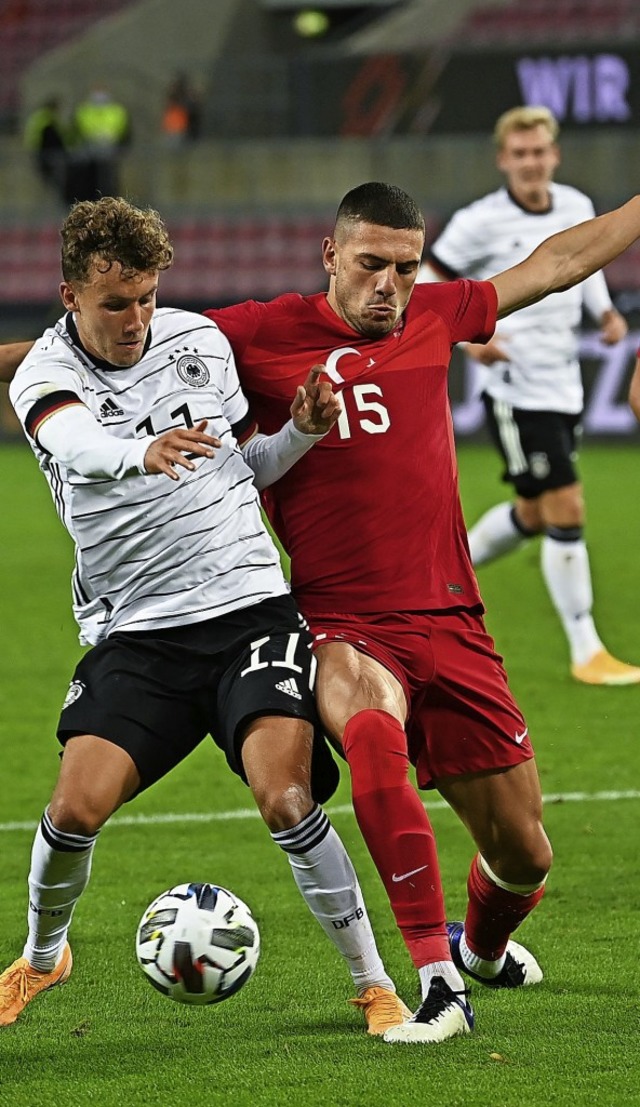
(552, 22)
(217, 259)
(244, 247)
(29, 28)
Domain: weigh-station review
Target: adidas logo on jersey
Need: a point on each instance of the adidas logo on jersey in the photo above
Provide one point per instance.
(290, 687)
(109, 409)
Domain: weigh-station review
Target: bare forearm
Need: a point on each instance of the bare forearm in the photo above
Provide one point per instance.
(569, 257)
(11, 355)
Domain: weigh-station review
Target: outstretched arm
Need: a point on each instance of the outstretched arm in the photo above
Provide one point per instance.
(11, 356)
(567, 258)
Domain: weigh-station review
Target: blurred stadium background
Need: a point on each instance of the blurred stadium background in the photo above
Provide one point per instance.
(299, 103)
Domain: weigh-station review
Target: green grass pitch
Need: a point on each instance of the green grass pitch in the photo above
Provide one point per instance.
(290, 1036)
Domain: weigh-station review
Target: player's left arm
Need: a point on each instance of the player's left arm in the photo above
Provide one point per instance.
(314, 411)
(12, 354)
(568, 257)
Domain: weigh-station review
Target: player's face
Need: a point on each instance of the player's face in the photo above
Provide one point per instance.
(373, 271)
(528, 160)
(113, 313)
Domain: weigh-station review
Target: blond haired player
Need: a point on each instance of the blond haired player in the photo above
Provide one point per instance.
(530, 377)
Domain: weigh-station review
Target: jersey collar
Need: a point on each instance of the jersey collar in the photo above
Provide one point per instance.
(529, 211)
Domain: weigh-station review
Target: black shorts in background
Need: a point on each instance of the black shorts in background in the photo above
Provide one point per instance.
(539, 448)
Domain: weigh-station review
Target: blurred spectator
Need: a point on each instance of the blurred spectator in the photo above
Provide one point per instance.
(102, 128)
(47, 138)
(182, 115)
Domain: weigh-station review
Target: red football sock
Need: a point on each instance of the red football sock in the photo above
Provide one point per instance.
(493, 913)
(396, 828)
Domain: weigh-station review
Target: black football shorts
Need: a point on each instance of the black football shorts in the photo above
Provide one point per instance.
(157, 694)
(539, 448)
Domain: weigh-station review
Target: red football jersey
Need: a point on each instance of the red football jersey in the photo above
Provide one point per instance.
(371, 516)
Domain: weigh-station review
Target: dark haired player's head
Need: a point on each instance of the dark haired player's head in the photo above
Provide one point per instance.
(383, 205)
(374, 256)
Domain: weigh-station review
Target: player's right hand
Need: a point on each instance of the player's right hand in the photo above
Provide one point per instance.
(178, 447)
(487, 353)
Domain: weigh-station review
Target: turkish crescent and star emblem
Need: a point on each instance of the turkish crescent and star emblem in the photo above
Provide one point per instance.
(331, 364)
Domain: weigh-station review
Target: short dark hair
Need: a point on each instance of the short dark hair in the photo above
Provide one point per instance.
(384, 205)
(112, 230)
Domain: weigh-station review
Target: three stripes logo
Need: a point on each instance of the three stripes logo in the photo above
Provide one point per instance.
(290, 687)
(109, 409)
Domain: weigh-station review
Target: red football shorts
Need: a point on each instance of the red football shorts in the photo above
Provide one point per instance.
(462, 715)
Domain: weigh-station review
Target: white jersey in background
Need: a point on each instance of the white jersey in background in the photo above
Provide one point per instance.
(491, 235)
(152, 552)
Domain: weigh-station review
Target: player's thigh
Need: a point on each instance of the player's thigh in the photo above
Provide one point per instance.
(264, 716)
(276, 760)
(350, 681)
(502, 809)
(465, 720)
(138, 697)
(95, 778)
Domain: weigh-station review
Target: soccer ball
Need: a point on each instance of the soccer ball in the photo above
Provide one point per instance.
(198, 943)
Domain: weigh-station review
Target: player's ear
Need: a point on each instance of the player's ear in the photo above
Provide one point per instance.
(329, 256)
(68, 297)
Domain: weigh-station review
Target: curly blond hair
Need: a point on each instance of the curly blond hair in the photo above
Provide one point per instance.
(110, 230)
(525, 119)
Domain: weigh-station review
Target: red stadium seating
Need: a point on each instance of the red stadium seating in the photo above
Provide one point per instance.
(217, 260)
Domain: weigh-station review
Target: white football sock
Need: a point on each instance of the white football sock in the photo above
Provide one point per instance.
(480, 965)
(445, 969)
(494, 534)
(60, 869)
(565, 568)
(327, 880)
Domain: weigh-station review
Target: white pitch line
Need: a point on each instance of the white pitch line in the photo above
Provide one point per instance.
(339, 809)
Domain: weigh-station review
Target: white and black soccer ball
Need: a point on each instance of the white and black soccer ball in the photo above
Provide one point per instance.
(198, 943)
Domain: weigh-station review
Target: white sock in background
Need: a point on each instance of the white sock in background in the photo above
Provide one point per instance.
(565, 568)
(494, 534)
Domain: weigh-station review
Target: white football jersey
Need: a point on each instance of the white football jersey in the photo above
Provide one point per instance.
(495, 233)
(152, 552)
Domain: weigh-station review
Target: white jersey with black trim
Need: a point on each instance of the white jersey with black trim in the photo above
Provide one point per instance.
(491, 235)
(152, 552)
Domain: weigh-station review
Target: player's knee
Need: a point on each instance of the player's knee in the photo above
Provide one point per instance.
(77, 814)
(527, 862)
(564, 509)
(527, 518)
(542, 858)
(283, 806)
(533, 869)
